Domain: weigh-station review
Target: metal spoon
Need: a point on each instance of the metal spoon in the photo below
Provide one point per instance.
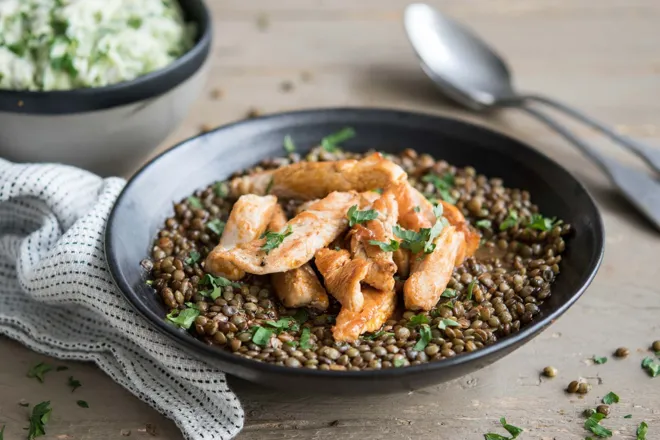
(466, 69)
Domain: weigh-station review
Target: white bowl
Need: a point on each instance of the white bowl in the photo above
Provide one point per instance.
(107, 130)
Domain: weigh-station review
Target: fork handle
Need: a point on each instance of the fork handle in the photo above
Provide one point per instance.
(648, 154)
(640, 190)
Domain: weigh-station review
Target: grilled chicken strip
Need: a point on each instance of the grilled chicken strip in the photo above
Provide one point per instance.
(310, 231)
(298, 287)
(472, 238)
(378, 308)
(247, 221)
(430, 276)
(313, 180)
(342, 276)
(381, 264)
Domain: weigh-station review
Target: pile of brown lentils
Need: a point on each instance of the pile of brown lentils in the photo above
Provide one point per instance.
(492, 295)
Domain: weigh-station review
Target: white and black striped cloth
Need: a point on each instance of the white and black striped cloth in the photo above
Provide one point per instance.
(57, 297)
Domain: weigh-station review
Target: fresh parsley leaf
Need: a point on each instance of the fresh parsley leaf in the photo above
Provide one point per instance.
(221, 190)
(628, 416)
(493, 436)
(424, 338)
(356, 217)
(289, 146)
(135, 22)
(193, 257)
(483, 223)
(331, 142)
(217, 226)
(470, 289)
(448, 293)
(18, 48)
(610, 398)
(417, 209)
(270, 185)
(262, 336)
(443, 184)
(642, 430)
(38, 371)
(510, 221)
(377, 335)
(420, 241)
(449, 304)
(74, 383)
(447, 323)
(541, 223)
(282, 324)
(183, 318)
(195, 202)
(82, 404)
(392, 246)
(38, 420)
(216, 284)
(599, 359)
(513, 430)
(275, 239)
(653, 368)
(292, 343)
(305, 342)
(399, 362)
(149, 282)
(418, 320)
(62, 368)
(593, 424)
(378, 190)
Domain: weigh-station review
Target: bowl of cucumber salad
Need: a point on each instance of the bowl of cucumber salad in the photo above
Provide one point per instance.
(97, 83)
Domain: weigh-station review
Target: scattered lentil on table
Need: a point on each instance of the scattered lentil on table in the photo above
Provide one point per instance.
(498, 291)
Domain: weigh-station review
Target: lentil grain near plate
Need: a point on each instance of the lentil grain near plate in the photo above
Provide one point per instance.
(494, 293)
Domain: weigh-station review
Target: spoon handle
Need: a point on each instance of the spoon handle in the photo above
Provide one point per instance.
(640, 190)
(649, 154)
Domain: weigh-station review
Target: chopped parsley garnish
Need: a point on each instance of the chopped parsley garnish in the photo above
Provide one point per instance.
(305, 343)
(418, 320)
(193, 257)
(292, 343)
(217, 226)
(183, 318)
(331, 142)
(270, 185)
(424, 337)
(593, 425)
(356, 217)
(470, 289)
(287, 323)
(38, 371)
(289, 146)
(483, 223)
(378, 190)
(610, 398)
(262, 336)
(642, 430)
(216, 284)
(448, 293)
(377, 335)
(599, 359)
(628, 416)
(443, 184)
(510, 221)
(73, 383)
(195, 202)
(513, 430)
(82, 404)
(447, 323)
(38, 420)
(652, 367)
(275, 239)
(417, 209)
(221, 190)
(449, 304)
(541, 223)
(392, 246)
(62, 368)
(420, 241)
(135, 22)
(399, 362)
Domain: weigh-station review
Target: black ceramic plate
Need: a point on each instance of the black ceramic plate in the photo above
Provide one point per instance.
(147, 200)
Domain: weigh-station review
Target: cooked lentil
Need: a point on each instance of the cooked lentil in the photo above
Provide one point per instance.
(621, 352)
(549, 371)
(498, 291)
(656, 345)
(603, 409)
(573, 387)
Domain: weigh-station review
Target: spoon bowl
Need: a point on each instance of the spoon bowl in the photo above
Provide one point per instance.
(457, 60)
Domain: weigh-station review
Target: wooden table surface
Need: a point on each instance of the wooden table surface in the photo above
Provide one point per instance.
(603, 56)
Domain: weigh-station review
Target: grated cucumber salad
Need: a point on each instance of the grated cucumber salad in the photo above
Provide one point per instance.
(69, 44)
